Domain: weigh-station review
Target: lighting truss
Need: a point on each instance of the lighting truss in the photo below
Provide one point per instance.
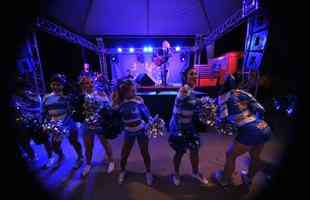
(140, 50)
(58, 31)
(102, 61)
(249, 8)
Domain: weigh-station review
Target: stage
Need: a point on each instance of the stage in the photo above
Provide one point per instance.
(69, 184)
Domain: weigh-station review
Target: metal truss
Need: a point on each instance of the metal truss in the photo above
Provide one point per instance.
(58, 31)
(140, 50)
(37, 72)
(102, 60)
(249, 7)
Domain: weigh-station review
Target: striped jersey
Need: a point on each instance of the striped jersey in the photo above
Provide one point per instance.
(238, 107)
(56, 107)
(134, 114)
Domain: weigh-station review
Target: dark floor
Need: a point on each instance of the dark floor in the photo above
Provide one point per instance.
(99, 185)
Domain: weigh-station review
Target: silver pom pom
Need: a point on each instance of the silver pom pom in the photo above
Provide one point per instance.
(207, 112)
(57, 128)
(156, 127)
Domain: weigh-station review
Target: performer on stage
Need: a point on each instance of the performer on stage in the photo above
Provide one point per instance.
(242, 109)
(161, 59)
(58, 123)
(135, 116)
(86, 72)
(94, 103)
(183, 132)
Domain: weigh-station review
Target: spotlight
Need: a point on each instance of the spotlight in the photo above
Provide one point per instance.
(131, 50)
(150, 49)
(145, 49)
(182, 57)
(114, 59)
(119, 50)
(177, 48)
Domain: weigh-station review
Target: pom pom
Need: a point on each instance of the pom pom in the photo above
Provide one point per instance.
(156, 127)
(207, 111)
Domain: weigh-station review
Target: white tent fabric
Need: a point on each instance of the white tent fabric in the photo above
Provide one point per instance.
(140, 17)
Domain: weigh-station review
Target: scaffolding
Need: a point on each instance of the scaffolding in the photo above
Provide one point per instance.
(58, 31)
(37, 72)
(102, 60)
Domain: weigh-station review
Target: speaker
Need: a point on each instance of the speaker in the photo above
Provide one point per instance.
(144, 80)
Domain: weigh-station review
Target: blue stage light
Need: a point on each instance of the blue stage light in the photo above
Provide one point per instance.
(150, 49)
(119, 50)
(145, 49)
(131, 50)
(177, 48)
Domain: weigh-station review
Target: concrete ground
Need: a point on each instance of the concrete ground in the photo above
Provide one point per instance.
(68, 183)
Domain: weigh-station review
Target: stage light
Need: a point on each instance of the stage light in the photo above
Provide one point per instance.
(119, 50)
(145, 49)
(131, 50)
(182, 57)
(177, 48)
(114, 59)
(150, 49)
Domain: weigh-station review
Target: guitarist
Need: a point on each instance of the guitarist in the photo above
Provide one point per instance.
(161, 59)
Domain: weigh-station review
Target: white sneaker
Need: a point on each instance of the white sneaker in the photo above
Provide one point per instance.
(200, 178)
(51, 161)
(111, 167)
(78, 163)
(176, 180)
(149, 178)
(121, 177)
(86, 170)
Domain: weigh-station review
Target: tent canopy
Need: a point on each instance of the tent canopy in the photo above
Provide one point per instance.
(140, 17)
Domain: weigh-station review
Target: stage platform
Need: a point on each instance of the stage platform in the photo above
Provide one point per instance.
(172, 90)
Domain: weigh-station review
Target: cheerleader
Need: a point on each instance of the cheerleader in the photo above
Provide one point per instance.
(94, 104)
(58, 123)
(26, 111)
(242, 110)
(135, 116)
(183, 133)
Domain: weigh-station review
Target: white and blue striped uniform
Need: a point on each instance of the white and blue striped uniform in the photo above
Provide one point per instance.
(240, 108)
(135, 115)
(183, 133)
(57, 108)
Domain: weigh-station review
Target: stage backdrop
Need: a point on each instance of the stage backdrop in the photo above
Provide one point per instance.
(137, 63)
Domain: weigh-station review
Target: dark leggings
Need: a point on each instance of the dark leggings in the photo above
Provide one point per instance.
(127, 146)
(194, 157)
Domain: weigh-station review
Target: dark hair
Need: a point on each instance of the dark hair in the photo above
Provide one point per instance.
(184, 74)
(61, 78)
(229, 84)
(122, 85)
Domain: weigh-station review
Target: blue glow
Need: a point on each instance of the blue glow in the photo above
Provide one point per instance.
(177, 48)
(289, 111)
(150, 49)
(131, 50)
(145, 49)
(119, 50)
